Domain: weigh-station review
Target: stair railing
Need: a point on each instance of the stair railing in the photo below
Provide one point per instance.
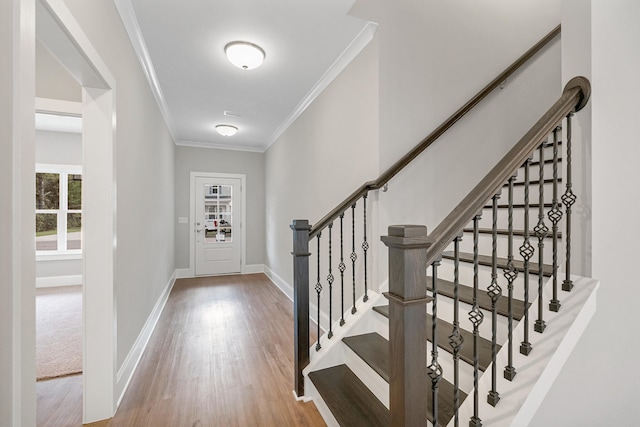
(545, 133)
(303, 233)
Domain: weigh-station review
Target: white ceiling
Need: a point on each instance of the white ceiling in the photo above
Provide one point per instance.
(181, 46)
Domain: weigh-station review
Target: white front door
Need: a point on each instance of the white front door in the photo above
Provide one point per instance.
(217, 225)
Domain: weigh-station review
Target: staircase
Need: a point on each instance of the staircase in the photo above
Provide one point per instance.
(480, 337)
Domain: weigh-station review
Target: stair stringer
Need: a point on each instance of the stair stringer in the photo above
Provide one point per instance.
(520, 398)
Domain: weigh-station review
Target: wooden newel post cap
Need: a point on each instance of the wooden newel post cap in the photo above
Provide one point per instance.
(407, 236)
(300, 224)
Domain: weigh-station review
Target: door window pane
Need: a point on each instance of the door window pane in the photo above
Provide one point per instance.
(46, 232)
(218, 215)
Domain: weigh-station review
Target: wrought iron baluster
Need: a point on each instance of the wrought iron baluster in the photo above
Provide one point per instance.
(555, 215)
(541, 231)
(510, 273)
(330, 279)
(434, 370)
(495, 292)
(365, 247)
(568, 199)
(342, 267)
(455, 339)
(526, 252)
(354, 256)
(475, 316)
(318, 291)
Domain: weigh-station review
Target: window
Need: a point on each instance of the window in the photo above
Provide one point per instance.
(58, 209)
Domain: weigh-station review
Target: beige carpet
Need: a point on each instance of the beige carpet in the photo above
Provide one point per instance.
(58, 331)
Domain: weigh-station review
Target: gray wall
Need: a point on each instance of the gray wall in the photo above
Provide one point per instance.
(144, 176)
(190, 159)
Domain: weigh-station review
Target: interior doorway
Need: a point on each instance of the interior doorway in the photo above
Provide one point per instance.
(60, 34)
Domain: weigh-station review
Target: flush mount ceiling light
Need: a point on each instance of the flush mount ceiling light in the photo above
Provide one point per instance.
(226, 130)
(244, 55)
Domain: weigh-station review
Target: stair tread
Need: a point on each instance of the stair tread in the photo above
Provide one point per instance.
(546, 161)
(381, 346)
(350, 401)
(535, 182)
(503, 231)
(444, 330)
(547, 270)
(465, 294)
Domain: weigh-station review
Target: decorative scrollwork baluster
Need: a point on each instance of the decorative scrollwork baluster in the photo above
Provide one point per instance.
(354, 256)
(510, 273)
(541, 231)
(568, 199)
(342, 267)
(365, 248)
(434, 370)
(330, 280)
(526, 252)
(555, 215)
(318, 291)
(455, 339)
(495, 292)
(475, 316)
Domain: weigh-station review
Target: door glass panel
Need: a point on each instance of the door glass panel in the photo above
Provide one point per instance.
(74, 192)
(46, 232)
(218, 213)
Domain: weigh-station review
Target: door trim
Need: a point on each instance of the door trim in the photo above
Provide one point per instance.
(192, 217)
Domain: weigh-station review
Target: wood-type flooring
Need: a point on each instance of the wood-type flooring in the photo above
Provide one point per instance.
(221, 355)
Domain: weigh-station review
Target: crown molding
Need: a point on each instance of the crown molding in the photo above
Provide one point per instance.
(198, 144)
(130, 22)
(355, 47)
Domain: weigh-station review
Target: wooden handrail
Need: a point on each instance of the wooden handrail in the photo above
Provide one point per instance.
(432, 137)
(574, 97)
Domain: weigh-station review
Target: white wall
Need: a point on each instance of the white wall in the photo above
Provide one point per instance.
(144, 176)
(434, 56)
(328, 152)
(598, 385)
(251, 164)
(58, 148)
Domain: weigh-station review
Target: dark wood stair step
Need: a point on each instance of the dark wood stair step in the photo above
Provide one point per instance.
(505, 232)
(444, 330)
(376, 342)
(465, 294)
(466, 257)
(350, 401)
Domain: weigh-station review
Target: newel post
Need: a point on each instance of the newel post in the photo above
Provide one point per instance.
(407, 324)
(301, 255)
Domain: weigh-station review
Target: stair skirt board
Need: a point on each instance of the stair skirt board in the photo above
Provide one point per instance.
(519, 399)
(332, 351)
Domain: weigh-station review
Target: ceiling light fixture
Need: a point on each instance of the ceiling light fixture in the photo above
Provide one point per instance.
(226, 130)
(244, 55)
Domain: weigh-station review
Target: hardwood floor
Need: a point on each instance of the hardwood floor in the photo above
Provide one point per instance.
(221, 355)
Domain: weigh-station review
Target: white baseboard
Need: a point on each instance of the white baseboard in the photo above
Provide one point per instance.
(286, 288)
(53, 281)
(125, 373)
(183, 273)
(253, 269)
